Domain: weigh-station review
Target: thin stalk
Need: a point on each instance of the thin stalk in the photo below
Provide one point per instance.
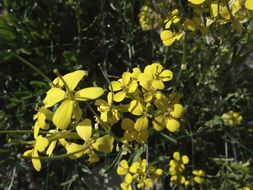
(58, 156)
(14, 54)
(21, 132)
(106, 78)
(182, 64)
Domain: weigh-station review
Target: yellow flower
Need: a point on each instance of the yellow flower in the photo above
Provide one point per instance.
(102, 144)
(63, 114)
(134, 174)
(154, 75)
(40, 123)
(123, 168)
(232, 118)
(108, 113)
(40, 145)
(249, 5)
(123, 87)
(196, 24)
(131, 134)
(167, 115)
(177, 167)
(150, 19)
(199, 174)
(91, 143)
(168, 37)
(174, 18)
(197, 2)
(136, 108)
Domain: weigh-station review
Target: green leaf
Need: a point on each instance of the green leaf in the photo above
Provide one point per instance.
(115, 162)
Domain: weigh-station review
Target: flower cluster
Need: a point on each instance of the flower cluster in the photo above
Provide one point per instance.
(149, 19)
(177, 167)
(136, 101)
(137, 173)
(232, 118)
(172, 24)
(65, 123)
(206, 15)
(199, 174)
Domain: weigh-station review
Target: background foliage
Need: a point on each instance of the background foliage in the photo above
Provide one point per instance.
(212, 78)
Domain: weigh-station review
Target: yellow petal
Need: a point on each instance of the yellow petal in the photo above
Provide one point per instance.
(142, 136)
(158, 123)
(100, 102)
(190, 25)
(135, 108)
(84, 130)
(166, 75)
(124, 164)
(36, 162)
(116, 86)
(185, 159)
(177, 111)
(135, 73)
(93, 157)
(104, 144)
(127, 124)
(135, 167)
(157, 84)
(121, 171)
(176, 156)
(41, 143)
(75, 150)
(51, 148)
(36, 130)
(141, 124)
(42, 121)
(214, 8)
(132, 86)
(198, 179)
(156, 68)
(90, 93)
(148, 182)
(54, 95)
(110, 98)
(197, 2)
(144, 78)
(119, 96)
(126, 78)
(71, 79)
(62, 116)
(128, 178)
(159, 172)
(123, 168)
(167, 37)
(168, 24)
(28, 153)
(172, 125)
(249, 4)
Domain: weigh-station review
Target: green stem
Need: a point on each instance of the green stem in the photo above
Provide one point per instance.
(58, 156)
(182, 64)
(56, 71)
(20, 142)
(21, 132)
(14, 54)
(172, 140)
(107, 79)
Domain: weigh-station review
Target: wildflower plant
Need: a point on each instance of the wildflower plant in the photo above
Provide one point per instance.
(157, 121)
